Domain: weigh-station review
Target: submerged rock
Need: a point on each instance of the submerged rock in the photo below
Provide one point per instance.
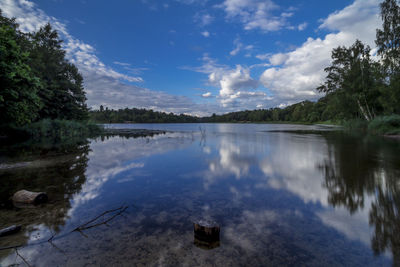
(28, 197)
(206, 234)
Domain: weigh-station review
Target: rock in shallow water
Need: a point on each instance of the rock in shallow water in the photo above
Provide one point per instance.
(28, 197)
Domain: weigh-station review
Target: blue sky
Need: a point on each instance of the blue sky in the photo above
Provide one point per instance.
(200, 57)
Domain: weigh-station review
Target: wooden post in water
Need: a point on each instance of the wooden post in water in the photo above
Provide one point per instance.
(206, 234)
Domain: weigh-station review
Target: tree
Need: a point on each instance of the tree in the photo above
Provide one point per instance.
(353, 76)
(388, 39)
(388, 42)
(62, 92)
(19, 102)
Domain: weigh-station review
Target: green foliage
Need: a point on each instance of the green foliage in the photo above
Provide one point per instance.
(62, 91)
(138, 116)
(38, 83)
(385, 125)
(19, 102)
(354, 79)
(61, 130)
(388, 42)
(388, 39)
(356, 125)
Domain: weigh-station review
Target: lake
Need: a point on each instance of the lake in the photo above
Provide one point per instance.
(281, 194)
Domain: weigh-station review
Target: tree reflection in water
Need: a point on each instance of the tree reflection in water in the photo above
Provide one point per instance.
(361, 167)
(57, 170)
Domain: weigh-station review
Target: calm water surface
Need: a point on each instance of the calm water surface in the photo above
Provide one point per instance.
(282, 195)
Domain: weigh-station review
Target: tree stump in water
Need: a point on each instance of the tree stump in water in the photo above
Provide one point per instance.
(206, 234)
(27, 197)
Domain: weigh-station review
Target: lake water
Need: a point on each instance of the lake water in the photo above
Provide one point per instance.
(281, 194)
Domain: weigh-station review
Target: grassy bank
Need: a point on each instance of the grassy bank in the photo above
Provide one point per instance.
(52, 130)
(382, 125)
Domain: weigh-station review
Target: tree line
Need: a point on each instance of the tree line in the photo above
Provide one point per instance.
(305, 111)
(37, 81)
(135, 115)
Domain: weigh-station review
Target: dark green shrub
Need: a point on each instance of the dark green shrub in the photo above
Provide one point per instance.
(385, 125)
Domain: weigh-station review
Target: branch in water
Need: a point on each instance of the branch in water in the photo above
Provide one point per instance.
(19, 255)
(88, 226)
(79, 229)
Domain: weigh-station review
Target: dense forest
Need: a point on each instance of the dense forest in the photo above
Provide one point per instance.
(37, 82)
(135, 115)
(359, 86)
(305, 111)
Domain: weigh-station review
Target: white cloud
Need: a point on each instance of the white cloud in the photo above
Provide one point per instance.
(278, 59)
(205, 34)
(236, 86)
(103, 90)
(263, 56)
(238, 47)
(122, 63)
(354, 17)
(302, 69)
(232, 84)
(255, 14)
(206, 95)
(302, 26)
(203, 19)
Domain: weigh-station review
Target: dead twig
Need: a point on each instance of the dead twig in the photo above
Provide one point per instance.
(87, 225)
(79, 229)
(19, 255)
(82, 233)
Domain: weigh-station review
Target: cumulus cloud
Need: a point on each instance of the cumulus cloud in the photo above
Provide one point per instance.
(233, 83)
(237, 89)
(278, 59)
(255, 14)
(301, 70)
